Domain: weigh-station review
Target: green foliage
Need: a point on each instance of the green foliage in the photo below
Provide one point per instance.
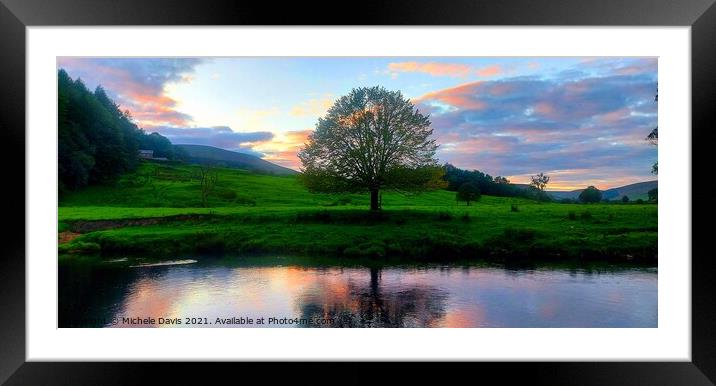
(286, 218)
(468, 192)
(97, 142)
(497, 186)
(590, 195)
(653, 194)
(369, 140)
(539, 181)
(625, 199)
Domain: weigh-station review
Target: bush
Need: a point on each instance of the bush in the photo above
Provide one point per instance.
(586, 215)
(468, 192)
(590, 195)
(571, 215)
(465, 217)
(514, 208)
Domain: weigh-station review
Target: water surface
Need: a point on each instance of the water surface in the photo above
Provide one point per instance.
(192, 291)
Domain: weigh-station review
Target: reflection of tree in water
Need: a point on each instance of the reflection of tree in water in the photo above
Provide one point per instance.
(371, 305)
(90, 295)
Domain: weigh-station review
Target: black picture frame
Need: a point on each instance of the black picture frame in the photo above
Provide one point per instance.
(16, 15)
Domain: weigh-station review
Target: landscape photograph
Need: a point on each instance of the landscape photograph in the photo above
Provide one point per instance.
(389, 192)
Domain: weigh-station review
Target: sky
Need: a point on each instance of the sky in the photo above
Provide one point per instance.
(582, 121)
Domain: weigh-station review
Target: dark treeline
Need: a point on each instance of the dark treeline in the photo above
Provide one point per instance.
(96, 140)
(488, 185)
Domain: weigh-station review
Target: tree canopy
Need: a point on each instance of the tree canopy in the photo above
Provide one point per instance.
(468, 192)
(497, 186)
(369, 140)
(96, 140)
(590, 195)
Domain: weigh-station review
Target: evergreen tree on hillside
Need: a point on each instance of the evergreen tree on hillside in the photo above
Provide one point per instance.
(97, 142)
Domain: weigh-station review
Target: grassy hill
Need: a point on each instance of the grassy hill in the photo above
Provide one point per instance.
(157, 210)
(633, 191)
(213, 155)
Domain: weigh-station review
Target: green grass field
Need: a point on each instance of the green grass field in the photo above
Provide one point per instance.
(158, 210)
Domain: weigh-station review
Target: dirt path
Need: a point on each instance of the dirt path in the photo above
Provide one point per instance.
(67, 236)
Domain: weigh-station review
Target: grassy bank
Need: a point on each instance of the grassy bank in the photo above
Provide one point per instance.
(156, 210)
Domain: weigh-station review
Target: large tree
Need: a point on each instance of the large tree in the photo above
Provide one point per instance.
(370, 139)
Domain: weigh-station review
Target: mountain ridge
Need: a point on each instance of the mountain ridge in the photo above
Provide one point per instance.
(204, 154)
(633, 191)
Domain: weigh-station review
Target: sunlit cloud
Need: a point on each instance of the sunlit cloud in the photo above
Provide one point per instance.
(284, 147)
(444, 69)
(137, 85)
(431, 68)
(583, 121)
(490, 71)
(313, 107)
(584, 130)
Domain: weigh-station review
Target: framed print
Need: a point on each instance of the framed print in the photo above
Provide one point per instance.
(476, 183)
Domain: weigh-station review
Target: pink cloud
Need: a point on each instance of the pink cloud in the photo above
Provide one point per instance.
(461, 97)
(136, 85)
(490, 71)
(432, 68)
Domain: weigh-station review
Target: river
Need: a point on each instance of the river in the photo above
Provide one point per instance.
(299, 292)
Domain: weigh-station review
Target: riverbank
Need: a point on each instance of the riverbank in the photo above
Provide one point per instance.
(501, 232)
(157, 210)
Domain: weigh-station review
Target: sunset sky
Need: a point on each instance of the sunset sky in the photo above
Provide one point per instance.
(580, 120)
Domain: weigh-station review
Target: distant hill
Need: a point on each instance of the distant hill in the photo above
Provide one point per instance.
(208, 154)
(633, 191)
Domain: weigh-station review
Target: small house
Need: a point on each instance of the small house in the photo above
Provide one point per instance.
(146, 154)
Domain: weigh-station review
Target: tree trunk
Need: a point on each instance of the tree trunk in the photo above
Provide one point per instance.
(374, 204)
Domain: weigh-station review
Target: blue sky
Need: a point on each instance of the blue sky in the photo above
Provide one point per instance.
(580, 120)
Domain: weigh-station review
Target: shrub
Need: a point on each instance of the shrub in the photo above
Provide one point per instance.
(571, 215)
(586, 215)
(465, 217)
(590, 195)
(468, 192)
(514, 208)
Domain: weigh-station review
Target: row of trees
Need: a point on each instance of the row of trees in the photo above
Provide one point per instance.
(97, 141)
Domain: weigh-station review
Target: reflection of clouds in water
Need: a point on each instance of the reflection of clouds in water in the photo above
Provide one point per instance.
(387, 297)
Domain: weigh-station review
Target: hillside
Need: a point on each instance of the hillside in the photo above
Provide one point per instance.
(157, 209)
(633, 191)
(208, 154)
